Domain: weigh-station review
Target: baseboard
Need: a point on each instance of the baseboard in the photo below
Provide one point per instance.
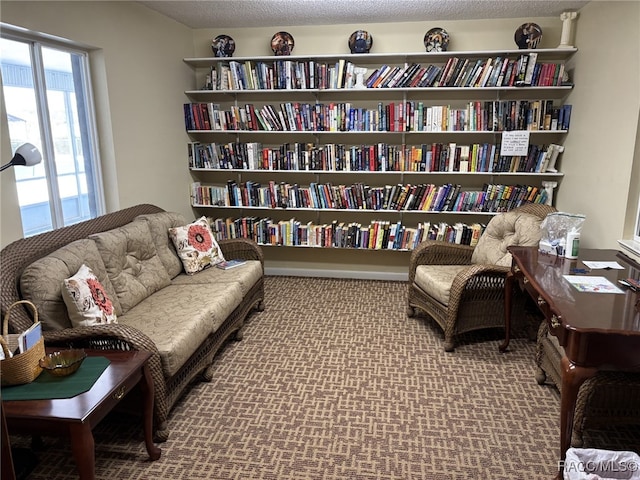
(322, 273)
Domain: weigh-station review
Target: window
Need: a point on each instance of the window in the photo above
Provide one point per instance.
(49, 104)
(633, 245)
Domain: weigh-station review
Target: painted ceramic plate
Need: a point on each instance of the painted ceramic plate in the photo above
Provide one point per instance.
(436, 40)
(360, 42)
(223, 46)
(282, 43)
(528, 35)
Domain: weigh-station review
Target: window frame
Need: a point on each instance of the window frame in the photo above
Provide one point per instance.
(36, 42)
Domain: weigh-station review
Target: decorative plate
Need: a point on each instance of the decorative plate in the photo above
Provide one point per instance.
(223, 46)
(436, 40)
(360, 42)
(282, 43)
(528, 35)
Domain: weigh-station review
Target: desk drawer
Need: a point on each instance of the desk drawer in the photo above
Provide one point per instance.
(553, 319)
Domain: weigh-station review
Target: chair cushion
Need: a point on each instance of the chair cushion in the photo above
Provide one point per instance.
(436, 280)
(159, 225)
(504, 230)
(132, 262)
(42, 281)
(87, 301)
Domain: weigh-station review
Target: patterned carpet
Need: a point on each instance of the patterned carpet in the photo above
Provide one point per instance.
(333, 381)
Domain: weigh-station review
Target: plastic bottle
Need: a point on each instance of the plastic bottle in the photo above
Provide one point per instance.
(572, 245)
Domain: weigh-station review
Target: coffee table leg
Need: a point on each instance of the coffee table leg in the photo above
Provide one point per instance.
(147, 393)
(83, 449)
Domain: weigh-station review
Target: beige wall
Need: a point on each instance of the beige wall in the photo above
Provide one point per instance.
(598, 162)
(387, 37)
(11, 225)
(140, 79)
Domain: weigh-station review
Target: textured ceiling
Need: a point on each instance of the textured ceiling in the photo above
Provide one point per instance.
(273, 13)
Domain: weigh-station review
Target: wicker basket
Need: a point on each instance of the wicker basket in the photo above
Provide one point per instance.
(24, 367)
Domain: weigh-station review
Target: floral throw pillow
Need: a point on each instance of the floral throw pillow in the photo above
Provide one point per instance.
(86, 300)
(196, 246)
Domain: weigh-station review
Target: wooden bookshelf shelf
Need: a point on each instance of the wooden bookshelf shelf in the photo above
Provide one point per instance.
(368, 119)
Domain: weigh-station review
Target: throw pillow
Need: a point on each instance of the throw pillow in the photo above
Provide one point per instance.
(86, 300)
(196, 246)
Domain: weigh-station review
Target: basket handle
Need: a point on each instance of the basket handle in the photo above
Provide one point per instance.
(5, 322)
(5, 348)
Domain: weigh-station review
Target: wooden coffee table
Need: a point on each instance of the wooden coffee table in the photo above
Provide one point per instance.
(77, 416)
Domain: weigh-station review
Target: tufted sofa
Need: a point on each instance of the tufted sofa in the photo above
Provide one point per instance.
(183, 320)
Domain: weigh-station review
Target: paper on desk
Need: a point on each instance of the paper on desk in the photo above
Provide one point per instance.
(605, 265)
(587, 283)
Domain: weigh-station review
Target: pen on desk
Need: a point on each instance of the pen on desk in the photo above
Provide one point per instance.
(628, 285)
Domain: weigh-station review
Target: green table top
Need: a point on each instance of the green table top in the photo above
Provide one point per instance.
(48, 387)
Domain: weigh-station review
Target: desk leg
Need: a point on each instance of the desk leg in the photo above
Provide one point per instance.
(508, 292)
(83, 449)
(147, 397)
(573, 377)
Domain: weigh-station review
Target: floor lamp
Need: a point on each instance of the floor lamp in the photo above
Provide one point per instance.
(26, 155)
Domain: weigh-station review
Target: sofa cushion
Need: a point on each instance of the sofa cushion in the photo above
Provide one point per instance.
(245, 275)
(132, 262)
(159, 225)
(179, 318)
(436, 280)
(504, 230)
(196, 245)
(42, 281)
(87, 301)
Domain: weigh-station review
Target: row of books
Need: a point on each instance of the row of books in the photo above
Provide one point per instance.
(499, 71)
(281, 75)
(409, 116)
(377, 235)
(420, 197)
(380, 157)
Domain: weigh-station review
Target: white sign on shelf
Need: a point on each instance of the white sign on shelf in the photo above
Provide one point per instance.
(515, 142)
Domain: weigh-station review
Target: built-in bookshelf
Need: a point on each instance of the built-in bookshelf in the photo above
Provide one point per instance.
(374, 151)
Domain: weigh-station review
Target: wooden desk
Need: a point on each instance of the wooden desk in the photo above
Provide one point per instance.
(599, 331)
(77, 416)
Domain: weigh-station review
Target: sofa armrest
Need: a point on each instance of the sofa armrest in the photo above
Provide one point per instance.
(115, 336)
(241, 248)
(432, 252)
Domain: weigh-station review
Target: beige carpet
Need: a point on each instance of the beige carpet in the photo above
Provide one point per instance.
(333, 381)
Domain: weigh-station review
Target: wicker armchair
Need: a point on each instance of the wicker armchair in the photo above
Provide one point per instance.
(462, 287)
(607, 399)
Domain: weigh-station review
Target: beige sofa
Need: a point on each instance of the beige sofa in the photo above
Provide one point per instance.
(182, 319)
